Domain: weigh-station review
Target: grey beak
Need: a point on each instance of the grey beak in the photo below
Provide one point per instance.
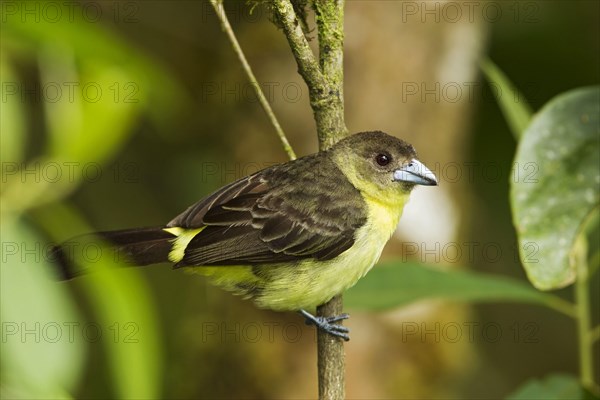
(415, 172)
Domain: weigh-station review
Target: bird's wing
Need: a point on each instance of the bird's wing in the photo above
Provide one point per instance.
(282, 214)
(193, 217)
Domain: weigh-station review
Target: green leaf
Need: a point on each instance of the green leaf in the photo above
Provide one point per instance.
(396, 283)
(552, 387)
(42, 352)
(92, 130)
(555, 185)
(12, 123)
(92, 95)
(123, 309)
(514, 107)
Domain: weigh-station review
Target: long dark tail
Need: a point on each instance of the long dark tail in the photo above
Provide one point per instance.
(141, 246)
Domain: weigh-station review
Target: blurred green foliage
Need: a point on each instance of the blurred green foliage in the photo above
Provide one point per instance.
(150, 114)
(553, 387)
(400, 283)
(96, 88)
(36, 368)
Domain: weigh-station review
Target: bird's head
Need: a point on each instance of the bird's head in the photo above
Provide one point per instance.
(381, 166)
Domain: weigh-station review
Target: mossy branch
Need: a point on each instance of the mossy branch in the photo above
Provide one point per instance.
(324, 77)
(330, 113)
(325, 80)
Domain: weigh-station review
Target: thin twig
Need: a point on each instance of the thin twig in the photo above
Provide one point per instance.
(220, 11)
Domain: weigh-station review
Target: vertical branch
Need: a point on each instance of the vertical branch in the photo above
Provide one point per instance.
(325, 80)
(331, 361)
(330, 113)
(331, 128)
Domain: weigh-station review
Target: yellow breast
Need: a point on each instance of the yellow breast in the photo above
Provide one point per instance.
(311, 283)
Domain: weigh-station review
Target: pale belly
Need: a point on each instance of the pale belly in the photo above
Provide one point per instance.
(307, 285)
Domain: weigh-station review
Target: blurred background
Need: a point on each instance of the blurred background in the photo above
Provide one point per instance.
(122, 114)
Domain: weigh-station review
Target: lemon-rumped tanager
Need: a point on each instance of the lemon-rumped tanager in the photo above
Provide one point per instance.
(291, 236)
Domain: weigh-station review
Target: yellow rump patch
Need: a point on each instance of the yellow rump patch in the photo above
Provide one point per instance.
(182, 239)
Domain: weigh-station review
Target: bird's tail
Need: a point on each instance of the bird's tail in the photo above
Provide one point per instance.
(141, 246)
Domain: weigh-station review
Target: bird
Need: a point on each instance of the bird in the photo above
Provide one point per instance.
(291, 236)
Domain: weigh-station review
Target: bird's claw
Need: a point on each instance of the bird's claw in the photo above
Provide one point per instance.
(327, 324)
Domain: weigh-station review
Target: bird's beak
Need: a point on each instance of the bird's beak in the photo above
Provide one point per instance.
(415, 172)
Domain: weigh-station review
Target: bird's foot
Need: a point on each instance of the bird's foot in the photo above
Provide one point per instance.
(327, 324)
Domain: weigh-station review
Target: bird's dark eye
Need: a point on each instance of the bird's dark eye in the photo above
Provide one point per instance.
(383, 159)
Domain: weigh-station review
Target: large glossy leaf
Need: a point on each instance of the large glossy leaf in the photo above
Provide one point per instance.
(395, 284)
(552, 387)
(555, 184)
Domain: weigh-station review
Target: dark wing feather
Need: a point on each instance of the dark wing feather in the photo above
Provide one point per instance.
(193, 216)
(302, 209)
